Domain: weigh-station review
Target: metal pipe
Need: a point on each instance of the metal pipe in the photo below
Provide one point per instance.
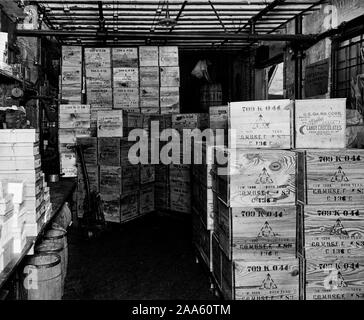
(166, 35)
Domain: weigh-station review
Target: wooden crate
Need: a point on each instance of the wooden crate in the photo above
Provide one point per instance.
(69, 136)
(148, 56)
(19, 163)
(180, 196)
(98, 77)
(218, 117)
(111, 123)
(169, 98)
(111, 207)
(126, 98)
(109, 151)
(169, 77)
(216, 261)
(149, 97)
(125, 157)
(90, 150)
(147, 173)
(74, 120)
(266, 280)
(261, 124)
(320, 123)
(161, 198)
(74, 109)
(130, 178)
(19, 149)
(110, 180)
(129, 206)
(168, 56)
(72, 76)
(180, 172)
(189, 121)
(149, 76)
(97, 58)
(71, 56)
(146, 199)
(71, 94)
(333, 231)
(257, 233)
(257, 177)
(124, 57)
(202, 239)
(335, 279)
(331, 176)
(125, 77)
(100, 97)
(18, 135)
(202, 202)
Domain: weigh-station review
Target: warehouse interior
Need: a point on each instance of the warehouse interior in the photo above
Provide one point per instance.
(77, 76)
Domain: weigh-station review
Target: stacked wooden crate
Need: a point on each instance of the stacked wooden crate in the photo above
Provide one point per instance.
(71, 74)
(125, 73)
(74, 122)
(98, 82)
(179, 171)
(20, 168)
(330, 191)
(169, 79)
(254, 242)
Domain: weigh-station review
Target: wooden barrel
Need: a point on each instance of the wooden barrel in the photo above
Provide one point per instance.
(64, 217)
(56, 248)
(210, 95)
(58, 235)
(42, 277)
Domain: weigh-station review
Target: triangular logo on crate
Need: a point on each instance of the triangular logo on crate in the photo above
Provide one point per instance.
(266, 231)
(260, 123)
(340, 281)
(339, 176)
(338, 229)
(264, 177)
(268, 283)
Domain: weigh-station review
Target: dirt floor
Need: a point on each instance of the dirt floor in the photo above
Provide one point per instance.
(149, 258)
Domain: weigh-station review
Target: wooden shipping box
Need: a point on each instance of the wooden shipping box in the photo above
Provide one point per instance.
(333, 231)
(98, 77)
(218, 117)
(129, 206)
(180, 197)
(124, 57)
(257, 233)
(71, 94)
(148, 56)
(180, 172)
(127, 158)
(161, 198)
(149, 110)
(27, 176)
(19, 163)
(18, 135)
(202, 239)
(168, 56)
(110, 180)
(202, 202)
(74, 109)
(189, 121)
(111, 123)
(335, 279)
(97, 58)
(149, 76)
(74, 120)
(19, 149)
(256, 177)
(169, 76)
(100, 97)
(130, 178)
(109, 151)
(170, 110)
(216, 261)
(169, 98)
(320, 123)
(146, 199)
(147, 173)
(71, 56)
(90, 150)
(331, 176)
(125, 77)
(69, 136)
(126, 98)
(261, 124)
(72, 76)
(149, 97)
(111, 207)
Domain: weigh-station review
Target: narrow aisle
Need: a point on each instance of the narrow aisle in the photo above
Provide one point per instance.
(150, 258)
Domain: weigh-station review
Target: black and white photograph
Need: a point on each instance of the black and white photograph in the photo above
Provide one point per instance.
(184, 158)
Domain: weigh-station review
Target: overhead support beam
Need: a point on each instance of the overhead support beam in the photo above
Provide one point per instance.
(178, 14)
(166, 35)
(217, 16)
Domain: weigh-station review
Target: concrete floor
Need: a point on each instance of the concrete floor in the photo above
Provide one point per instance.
(149, 258)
